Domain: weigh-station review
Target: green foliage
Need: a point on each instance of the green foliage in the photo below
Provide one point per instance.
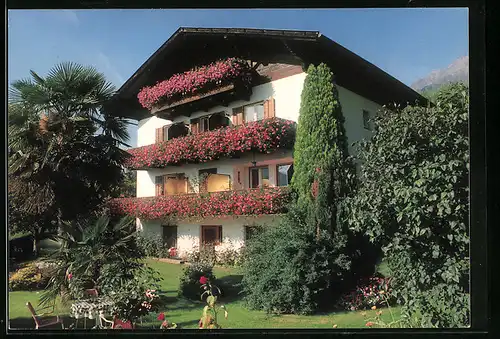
(209, 319)
(204, 254)
(290, 269)
(413, 201)
(227, 256)
(60, 137)
(152, 246)
(103, 255)
(304, 264)
(321, 139)
(189, 286)
(28, 278)
(133, 300)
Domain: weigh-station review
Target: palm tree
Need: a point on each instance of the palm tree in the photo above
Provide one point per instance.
(65, 154)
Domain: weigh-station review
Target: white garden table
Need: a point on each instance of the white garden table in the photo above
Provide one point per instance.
(94, 308)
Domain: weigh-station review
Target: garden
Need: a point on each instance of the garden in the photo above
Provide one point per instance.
(385, 246)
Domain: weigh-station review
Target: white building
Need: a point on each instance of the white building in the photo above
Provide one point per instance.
(278, 60)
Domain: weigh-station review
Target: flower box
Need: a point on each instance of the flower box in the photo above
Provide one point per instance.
(199, 206)
(195, 83)
(262, 136)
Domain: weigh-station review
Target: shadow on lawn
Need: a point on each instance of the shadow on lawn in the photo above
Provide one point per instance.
(230, 286)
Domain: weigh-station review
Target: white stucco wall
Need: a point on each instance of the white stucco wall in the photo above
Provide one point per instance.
(188, 234)
(287, 94)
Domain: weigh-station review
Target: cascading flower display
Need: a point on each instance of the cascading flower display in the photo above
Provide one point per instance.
(260, 136)
(263, 201)
(194, 81)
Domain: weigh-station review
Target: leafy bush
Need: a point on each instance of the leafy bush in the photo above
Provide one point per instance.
(413, 201)
(304, 263)
(189, 286)
(103, 255)
(133, 300)
(152, 246)
(374, 291)
(28, 278)
(228, 256)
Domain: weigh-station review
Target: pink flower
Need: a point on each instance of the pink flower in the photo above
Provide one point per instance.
(369, 324)
(203, 280)
(161, 316)
(70, 275)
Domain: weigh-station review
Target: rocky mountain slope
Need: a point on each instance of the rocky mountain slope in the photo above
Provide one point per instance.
(457, 71)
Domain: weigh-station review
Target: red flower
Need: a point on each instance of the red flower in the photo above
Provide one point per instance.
(70, 275)
(203, 280)
(161, 316)
(369, 324)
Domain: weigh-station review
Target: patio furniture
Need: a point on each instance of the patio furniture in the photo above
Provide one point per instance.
(117, 324)
(93, 308)
(39, 322)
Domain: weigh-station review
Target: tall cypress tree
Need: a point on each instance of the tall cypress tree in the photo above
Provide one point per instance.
(321, 159)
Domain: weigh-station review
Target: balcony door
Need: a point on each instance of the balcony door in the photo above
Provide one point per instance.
(259, 177)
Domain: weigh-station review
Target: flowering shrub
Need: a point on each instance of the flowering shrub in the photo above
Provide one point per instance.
(26, 278)
(197, 80)
(259, 136)
(190, 278)
(133, 302)
(187, 206)
(209, 318)
(369, 293)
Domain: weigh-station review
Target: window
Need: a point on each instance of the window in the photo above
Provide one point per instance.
(251, 231)
(254, 112)
(171, 184)
(366, 120)
(211, 235)
(203, 178)
(204, 124)
(259, 177)
(170, 236)
(285, 173)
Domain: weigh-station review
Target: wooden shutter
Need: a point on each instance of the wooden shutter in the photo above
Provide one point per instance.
(238, 178)
(238, 115)
(165, 128)
(269, 111)
(159, 185)
(159, 135)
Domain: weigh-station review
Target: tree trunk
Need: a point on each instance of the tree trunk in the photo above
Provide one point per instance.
(36, 245)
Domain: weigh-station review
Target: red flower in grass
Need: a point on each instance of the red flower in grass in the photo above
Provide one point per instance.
(161, 316)
(70, 276)
(369, 324)
(203, 280)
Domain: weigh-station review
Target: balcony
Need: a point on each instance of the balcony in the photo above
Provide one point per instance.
(199, 89)
(205, 205)
(262, 136)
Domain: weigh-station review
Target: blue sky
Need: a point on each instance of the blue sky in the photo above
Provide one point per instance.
(406, 43)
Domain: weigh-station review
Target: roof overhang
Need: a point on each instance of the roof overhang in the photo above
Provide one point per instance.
(189, 47)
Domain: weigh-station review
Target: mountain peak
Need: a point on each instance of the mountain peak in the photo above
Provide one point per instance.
(458, 70)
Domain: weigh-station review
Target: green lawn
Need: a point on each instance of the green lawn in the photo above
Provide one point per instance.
(187, 313)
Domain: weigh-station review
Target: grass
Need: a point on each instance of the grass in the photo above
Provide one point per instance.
(187, 313)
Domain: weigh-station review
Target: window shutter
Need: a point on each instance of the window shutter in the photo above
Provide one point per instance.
(238, 115)
(269, 109)
(220, 233)
(266, 109)
(158, 133)
(164, 136)
(272, 108)
(159, 185)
